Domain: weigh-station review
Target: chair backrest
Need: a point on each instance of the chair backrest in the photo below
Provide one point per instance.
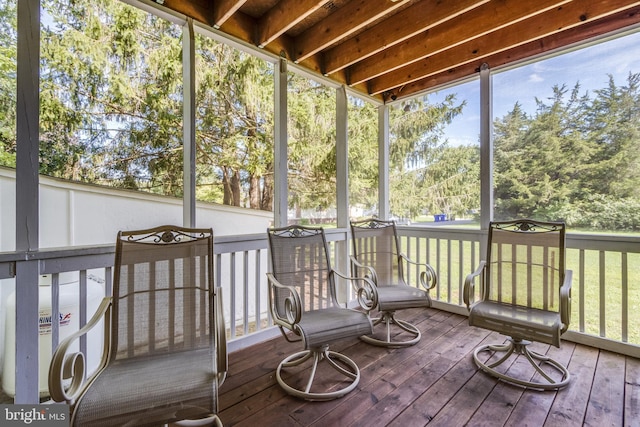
(162, 292)
(375, 243)
(300, 258)
(525, 263)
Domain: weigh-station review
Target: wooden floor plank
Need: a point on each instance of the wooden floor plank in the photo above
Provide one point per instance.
(632, 392)
(374, 393)
(569, 407)
(389, 360)
(247, 379)
(418, 400)
(500, 403)
(434, 382)
(272, 399)
(533, 406)
(367, 357)
(606, 403)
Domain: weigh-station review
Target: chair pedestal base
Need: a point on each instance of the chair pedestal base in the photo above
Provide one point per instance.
(537, 360)
(389, 321)
(210, 421)
(337, 361)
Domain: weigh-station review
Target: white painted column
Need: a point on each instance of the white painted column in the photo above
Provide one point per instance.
(342, 188)
(383, 162)
(486, 148)
(280, 168)
(27, 199)
(189, 125)
(486, 155)
(342, 157)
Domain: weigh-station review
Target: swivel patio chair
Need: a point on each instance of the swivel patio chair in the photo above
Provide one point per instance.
(165, 346)
(525, 294)
(304, 304)
(377, 255)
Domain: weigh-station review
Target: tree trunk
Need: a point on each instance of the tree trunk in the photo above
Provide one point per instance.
(235, 188)
(267, 192)
(226, 185)
(254, 192)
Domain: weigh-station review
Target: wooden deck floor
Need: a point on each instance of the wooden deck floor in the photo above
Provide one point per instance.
(437, 383)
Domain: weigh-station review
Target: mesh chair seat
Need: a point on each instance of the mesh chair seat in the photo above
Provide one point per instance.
(150, 390)
(324, 326)
(518, 322)
(398, 297)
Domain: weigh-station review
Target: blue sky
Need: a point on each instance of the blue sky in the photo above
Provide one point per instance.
(589, 66)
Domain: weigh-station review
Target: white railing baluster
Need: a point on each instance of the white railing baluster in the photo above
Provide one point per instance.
(55, 311)
(232, 283)
(257, 299)
(625, 298)
(82, 308)
(603, 294)
(581, 293)
(245, 292)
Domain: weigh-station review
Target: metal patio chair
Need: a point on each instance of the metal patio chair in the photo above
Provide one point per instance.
(525, 294)
(165, 346)
(304, 304)
(376, 254)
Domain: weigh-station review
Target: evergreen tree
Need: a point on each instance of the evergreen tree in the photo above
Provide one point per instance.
(614, 128)
(425, 172)
(539, 165)
(8, 43)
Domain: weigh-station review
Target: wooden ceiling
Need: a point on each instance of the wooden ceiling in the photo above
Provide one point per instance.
(393, 49)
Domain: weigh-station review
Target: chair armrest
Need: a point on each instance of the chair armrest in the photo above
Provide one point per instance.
(222, 362)
(469, 284)
(292, 304)
(365, 288)
(428, 277)
(370, 272)
(64, 366)
(565, 300)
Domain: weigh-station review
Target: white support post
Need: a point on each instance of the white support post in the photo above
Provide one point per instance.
(342, 157)
(486, 148)
(27, 200)
(342, 185)
(280, 169)
(189, 125)
(383, 162)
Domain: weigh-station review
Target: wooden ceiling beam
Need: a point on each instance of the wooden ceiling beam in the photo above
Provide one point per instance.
(283, 16)
(339, 25)
(592, 29)
(553, 21)
(480, 21)
(242, 27)
(407, 23)
(383, 48)
(199, 10)
(223, 9)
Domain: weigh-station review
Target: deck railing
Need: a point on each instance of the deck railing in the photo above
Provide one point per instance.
(605, 295)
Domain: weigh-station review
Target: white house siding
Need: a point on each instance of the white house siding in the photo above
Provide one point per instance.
(74, 214)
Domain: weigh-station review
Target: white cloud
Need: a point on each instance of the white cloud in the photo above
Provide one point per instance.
(535, 78)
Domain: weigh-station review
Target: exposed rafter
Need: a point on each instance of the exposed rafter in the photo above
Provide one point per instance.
(385, 47)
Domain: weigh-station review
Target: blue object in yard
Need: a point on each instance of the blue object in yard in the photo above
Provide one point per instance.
(440, 217)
